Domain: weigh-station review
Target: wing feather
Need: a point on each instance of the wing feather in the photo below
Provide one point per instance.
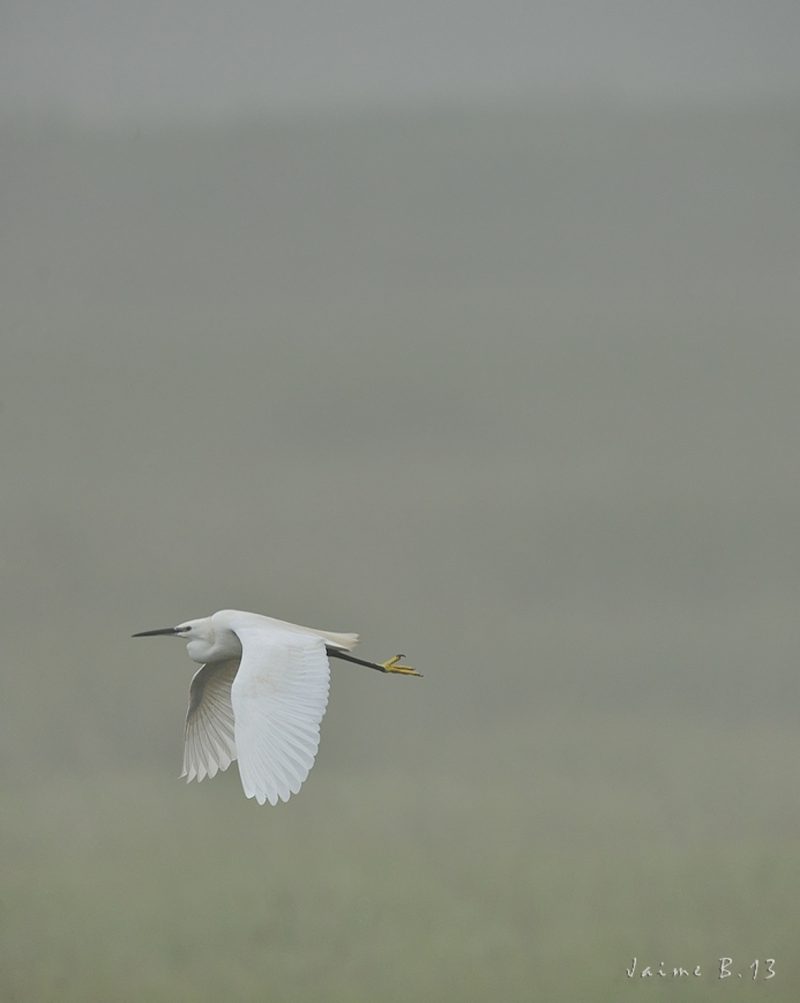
(210, 744)
(279, 698)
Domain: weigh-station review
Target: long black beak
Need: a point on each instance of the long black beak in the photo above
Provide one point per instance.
(156, 633)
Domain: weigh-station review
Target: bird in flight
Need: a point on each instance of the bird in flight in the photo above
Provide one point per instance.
(259, 696)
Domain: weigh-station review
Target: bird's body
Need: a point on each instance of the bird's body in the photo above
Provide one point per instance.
(216, 637)
(259, 697)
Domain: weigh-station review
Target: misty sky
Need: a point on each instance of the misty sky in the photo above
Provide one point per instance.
(105, 59)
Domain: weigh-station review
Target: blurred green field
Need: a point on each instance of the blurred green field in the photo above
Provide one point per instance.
(513, 391)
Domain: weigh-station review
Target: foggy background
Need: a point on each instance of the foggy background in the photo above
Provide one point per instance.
(469, 328)
(109, 60)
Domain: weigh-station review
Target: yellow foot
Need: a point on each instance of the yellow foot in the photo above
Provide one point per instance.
(404, 670)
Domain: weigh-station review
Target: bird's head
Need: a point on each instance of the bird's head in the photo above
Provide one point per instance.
(198, 634)
(190, 630)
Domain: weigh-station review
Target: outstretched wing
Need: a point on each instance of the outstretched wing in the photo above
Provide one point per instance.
(210, 744)
(279, 698)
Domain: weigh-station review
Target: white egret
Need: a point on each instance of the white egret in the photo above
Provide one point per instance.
(259, 696)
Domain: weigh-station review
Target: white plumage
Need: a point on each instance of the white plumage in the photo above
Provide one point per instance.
(259, 697)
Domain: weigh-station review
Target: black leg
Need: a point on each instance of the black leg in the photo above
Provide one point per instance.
(388, 666)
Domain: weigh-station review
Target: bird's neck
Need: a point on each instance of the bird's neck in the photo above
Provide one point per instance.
(224, 644)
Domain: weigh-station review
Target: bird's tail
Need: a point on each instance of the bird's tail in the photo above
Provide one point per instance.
(344, 642)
